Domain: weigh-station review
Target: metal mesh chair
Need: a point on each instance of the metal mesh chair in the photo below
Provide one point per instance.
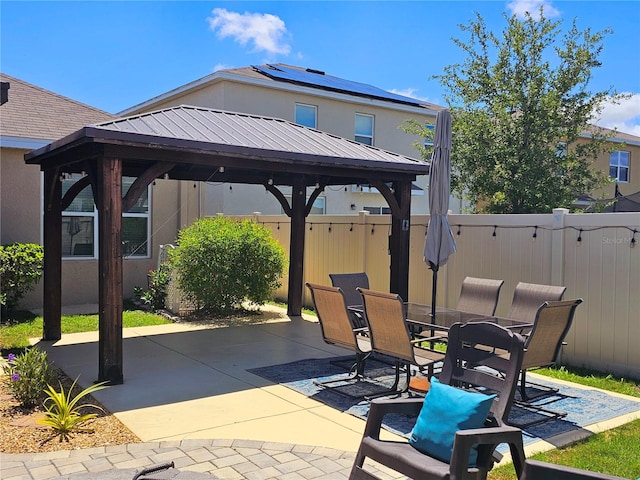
(542, 348)
(389, 334)
(479, 295)
(527, 298)
(349, 282)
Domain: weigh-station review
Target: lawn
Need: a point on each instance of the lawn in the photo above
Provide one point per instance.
(614, 452)
(16, 333)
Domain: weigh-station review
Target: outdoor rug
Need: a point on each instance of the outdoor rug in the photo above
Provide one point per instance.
(583, 406)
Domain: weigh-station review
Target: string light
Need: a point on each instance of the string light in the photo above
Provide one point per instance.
(535, 232)
(495, 227)
(579, 239)
(329, 227)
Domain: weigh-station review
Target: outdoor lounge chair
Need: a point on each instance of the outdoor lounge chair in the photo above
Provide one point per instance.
(337, 329)
(470, 345)
(542, 348)
(389, 334)
(349, 282)
(479, 295)
(535, 470)
(527, 298)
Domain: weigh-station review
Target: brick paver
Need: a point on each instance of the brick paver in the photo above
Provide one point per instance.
(225, 459)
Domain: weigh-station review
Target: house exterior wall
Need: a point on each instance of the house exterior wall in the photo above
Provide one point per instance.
(21, 201)
(174, 205)
(628, 144)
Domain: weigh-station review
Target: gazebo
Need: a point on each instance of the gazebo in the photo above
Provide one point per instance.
(192, 143)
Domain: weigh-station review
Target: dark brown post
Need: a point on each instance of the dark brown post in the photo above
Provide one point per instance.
(399, 244)
(110, 269)
(52, 293)
(296, 248)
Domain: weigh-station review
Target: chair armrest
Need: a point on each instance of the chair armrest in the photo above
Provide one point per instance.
(490, 438)
(380, 407)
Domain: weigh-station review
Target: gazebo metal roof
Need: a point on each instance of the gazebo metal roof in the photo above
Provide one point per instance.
(193, 143)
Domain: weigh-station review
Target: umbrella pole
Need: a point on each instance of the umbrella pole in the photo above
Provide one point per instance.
(434, 287)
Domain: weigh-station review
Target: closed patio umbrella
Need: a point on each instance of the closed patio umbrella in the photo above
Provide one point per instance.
(439, 243)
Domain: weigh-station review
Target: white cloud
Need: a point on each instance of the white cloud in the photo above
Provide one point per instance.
(221, 66)
(623, 115)
(520, 7)
(263, 31)
(411, 93)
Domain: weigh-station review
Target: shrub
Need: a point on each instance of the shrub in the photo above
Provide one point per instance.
(21, 267)
(29, 375)
(156, 294)
(62, 412)
(222, 262)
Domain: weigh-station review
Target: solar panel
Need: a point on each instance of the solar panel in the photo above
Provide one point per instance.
(318, 78)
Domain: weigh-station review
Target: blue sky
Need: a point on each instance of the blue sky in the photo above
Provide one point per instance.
(115, 54)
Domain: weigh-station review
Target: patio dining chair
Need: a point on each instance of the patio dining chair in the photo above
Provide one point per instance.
(349, 282)
(457, 429)
(390, 336)
(542, 348)
(337, 329)
(536, 470)
(527, 298)
(479, 295)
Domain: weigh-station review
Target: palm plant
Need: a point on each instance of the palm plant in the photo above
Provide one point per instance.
(63, 411)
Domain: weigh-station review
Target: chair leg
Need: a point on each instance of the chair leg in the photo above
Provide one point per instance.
(523, 390)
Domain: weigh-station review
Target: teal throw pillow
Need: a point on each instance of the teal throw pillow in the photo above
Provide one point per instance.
(446, 410)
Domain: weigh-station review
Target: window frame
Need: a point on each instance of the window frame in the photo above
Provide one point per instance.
(616, 163)
(358, 135)
(302, 106)
(93, 214)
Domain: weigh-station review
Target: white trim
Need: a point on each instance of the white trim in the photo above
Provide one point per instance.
(289, 87)
(22, 142)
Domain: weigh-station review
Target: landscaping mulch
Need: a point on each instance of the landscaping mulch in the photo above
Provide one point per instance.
(19, 432)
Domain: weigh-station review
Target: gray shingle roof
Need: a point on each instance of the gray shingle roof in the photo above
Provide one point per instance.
(36, 113)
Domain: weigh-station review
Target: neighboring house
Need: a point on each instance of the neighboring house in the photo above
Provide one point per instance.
(622, 161)
(33, 117)
(309, 97)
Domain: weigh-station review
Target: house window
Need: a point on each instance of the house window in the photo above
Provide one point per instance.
(80, 219)
(364, 129)
(428, 140)
(378, 210)
(619, 166)
(306, 115)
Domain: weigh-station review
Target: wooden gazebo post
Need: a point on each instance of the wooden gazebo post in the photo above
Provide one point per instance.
(52, 286)
(109, 203)
(399, 244)
(296, 248)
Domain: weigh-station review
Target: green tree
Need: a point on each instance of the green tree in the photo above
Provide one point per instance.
(519, 103)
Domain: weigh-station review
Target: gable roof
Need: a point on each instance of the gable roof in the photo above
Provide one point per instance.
(289, 77)
(35, 113)
(243, 141)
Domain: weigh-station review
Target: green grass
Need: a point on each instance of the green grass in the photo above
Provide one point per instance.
(15, 334)
(614, 452)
